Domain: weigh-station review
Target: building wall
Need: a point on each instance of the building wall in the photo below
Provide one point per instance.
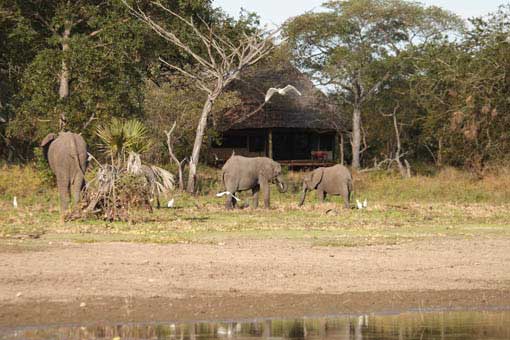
(222, 154)
(288, 144)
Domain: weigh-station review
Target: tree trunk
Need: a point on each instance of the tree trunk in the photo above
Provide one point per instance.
(356, 137)
(439, 157)
(173, 157)
(64, 75)
(342, 152)
(195, 156)
(181, 177)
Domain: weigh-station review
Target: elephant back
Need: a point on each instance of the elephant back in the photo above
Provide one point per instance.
(341, 170)
(68, 153)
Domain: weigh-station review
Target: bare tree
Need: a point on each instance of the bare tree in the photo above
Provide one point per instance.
(170, 139)
(405, 171)
(223, 62)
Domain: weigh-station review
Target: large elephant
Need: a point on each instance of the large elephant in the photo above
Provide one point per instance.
(67, 156)
(243, 173)
(333, 180)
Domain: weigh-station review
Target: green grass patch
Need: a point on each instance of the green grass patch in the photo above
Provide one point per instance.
(450, 204)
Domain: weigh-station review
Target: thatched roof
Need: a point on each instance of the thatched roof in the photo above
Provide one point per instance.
(308, 111)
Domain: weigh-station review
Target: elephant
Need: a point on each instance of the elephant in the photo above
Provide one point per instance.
(333, 180)
(243, 173)
(67, 157)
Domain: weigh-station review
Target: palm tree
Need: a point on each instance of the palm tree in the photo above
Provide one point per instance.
(119, 138)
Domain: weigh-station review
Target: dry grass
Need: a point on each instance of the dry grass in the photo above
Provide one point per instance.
(20, 181)
(451, 204)
(449, 185)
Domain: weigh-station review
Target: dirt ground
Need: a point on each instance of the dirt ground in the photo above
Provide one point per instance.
(68, 282)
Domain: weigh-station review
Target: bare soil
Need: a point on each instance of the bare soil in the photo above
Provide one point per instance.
(86, 283)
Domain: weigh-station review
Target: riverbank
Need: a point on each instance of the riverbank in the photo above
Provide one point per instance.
(132, 282)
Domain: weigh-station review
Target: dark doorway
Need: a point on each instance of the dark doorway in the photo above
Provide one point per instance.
(299, 144)
(282, 145)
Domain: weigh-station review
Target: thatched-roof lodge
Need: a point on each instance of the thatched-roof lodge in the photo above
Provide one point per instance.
(292, 129)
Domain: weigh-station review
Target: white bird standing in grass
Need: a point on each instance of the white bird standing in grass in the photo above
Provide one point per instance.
(170, 203)
(363, 205)
(283, 92)
(15, 202)
(359, 205)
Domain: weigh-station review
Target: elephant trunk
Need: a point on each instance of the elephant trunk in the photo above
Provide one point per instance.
(282, 186)
(303, 195)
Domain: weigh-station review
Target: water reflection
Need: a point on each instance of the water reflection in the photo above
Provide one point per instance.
(426, 326)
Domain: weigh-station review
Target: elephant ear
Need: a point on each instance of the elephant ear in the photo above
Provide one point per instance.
(316, 177)
(48, 139)
(268, 169)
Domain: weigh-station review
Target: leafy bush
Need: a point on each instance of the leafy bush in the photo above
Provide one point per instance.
(43, 168)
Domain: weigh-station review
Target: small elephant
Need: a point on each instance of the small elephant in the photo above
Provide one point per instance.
(334, 180)
(67, 156)
(243, 173)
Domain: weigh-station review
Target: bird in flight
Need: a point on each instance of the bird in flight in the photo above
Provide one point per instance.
(283, 91)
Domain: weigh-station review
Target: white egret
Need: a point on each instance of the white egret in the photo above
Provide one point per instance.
(283, 91)
(170, 203)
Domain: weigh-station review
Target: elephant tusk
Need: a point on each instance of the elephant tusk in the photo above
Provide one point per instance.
(220, 194)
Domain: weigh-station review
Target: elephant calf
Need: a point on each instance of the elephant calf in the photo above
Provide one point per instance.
(334, 180)
(67, 156)
(243, 173)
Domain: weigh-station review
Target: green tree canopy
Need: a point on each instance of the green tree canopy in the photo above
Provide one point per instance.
(345, 46)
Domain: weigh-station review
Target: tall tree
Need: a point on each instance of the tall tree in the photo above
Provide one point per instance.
(87, 61)
(463, 88)
(85, 66)
(220, 58)
(18, 45)
(343, 47)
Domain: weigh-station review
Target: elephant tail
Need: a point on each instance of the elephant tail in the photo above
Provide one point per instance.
(349, 185)
(349, 188)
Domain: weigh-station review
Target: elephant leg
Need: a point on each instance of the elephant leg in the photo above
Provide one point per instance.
(346, 194)
(233, 200)
(64, 186)
(76, 187)
(255, 192)
(264, 187)
(231, 185)
(230, 202)
(346, 201)
(321, 195)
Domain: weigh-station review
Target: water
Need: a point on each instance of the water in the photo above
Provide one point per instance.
(424, 326)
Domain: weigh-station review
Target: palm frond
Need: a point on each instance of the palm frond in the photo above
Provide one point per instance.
(119, 137)
(165, 181)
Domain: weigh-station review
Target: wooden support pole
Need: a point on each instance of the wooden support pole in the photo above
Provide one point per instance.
(270, 144)
(342, 155)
